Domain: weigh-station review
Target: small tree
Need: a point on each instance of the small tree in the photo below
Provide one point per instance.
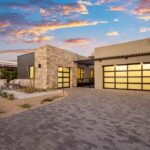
(8, 74)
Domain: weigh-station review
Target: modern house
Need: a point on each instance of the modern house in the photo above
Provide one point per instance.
(123, 66)
(120, 66)
(52, 67)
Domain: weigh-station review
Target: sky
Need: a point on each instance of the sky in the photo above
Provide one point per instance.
(75, 25)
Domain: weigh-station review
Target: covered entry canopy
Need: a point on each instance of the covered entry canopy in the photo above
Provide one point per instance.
(88, 62)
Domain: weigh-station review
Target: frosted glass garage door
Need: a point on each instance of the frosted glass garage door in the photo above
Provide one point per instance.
(130, 76)
(63, 77)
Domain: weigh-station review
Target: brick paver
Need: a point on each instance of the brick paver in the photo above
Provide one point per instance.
(87, 119)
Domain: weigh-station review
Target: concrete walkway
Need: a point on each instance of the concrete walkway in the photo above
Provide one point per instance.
(86, 119)
(21, 95)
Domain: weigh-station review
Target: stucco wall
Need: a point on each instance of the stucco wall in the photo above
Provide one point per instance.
(115, 50)
(24, 62)
(123, 48)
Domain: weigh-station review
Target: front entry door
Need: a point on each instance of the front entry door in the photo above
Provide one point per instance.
(63, 77)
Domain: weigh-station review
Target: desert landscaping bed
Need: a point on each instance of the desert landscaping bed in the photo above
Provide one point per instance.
(9, 107)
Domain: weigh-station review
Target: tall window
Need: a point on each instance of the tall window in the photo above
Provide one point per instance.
(31, 72)
(80, 73)
(92, 73)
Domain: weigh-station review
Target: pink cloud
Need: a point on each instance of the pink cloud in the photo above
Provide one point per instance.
(142, 7)
(78, 41)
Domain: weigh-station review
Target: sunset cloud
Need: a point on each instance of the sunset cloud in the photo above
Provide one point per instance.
(77, 8)
(41, 29)
(142, 7)
(117, 8)
(39, 39)
(114, 33)
(78, 41)
(144, 29)
(4, 25)
(145, 18)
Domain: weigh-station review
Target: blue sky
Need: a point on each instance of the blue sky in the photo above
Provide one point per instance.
(75, 25)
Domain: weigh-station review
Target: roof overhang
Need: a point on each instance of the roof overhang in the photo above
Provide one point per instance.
(88, 62)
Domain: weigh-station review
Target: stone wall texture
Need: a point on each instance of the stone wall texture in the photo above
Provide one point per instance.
(47, 61)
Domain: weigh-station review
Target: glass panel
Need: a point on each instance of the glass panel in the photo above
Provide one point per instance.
(109, 68)
(31, 72)
(66, 80)
(121, 79)
(92, 73)
(109, 85)
(134, 80)
(82, 76)
(121, 86)
(109, 74)
(146, 80)
(123, 67)
(121, 74)
(59, 74)
(65, 84)
(109, 80)
(146, 66)
(65, 69)
(146, 73)
(134, 73)
(66, 74)
(134, 67)
(146, 86)
(60, 69)
(60, 79)
(59, 85)
(134, 86)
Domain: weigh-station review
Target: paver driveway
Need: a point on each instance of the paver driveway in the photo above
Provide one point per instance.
(86, 119)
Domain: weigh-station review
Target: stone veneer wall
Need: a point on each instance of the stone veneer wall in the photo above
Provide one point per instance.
(41, 76)
(50, 58)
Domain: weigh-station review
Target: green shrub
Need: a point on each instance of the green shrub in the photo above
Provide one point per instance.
(4, 94)
(26, 106)
(47, 100)
(11, 96)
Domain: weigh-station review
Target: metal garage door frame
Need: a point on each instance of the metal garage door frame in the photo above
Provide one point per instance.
(127, 77)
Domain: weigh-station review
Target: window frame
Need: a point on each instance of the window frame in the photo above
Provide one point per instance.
(30, 72)
(80, 74)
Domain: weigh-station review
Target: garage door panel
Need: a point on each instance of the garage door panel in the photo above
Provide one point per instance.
(109, 80)
(109, 85)
(134, 67)
(109, 68)
(121, 74)
(146, 86)
(131, 76)
(146, 80)
(109, 74)
(121, 80)
(134, 73)
(121, 86)
(121, 67)
(134, 80)
(146, 66)
(146, 73)
(135, 86)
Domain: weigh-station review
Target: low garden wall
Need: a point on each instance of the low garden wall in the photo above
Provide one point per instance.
(24, 82)
(2, 81)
